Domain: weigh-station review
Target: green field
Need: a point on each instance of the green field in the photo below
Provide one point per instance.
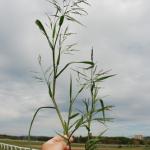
(37, 145)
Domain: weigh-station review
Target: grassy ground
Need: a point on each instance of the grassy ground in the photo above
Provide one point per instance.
(38, 144)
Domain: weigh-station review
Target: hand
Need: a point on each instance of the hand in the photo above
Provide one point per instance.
(56, 143)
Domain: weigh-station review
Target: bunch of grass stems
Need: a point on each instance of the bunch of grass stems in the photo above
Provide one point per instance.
(57, 35)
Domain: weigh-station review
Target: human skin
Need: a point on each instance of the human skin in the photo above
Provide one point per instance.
(56, 143)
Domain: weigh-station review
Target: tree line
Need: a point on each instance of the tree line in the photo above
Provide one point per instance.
(82, 139)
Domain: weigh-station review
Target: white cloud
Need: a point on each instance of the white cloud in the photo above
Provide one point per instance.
(119, 32)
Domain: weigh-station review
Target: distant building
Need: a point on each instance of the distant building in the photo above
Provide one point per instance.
(138, 137)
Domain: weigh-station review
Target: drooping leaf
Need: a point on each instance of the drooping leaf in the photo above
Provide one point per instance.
(82, 62)
(33, 118)
(89, 63)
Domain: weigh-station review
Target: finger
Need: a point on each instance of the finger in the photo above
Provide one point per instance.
(55, 139)
(53, 144)
(60, 145)
(58, 138)
(60, 141)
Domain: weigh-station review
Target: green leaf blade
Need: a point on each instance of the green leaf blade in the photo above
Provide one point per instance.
(73, 116)
(61, 20)
(103, 78)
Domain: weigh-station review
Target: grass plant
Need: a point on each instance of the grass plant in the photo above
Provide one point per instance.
(57, 34)
(94, 106)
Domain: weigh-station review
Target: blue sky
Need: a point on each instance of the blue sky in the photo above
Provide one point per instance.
(119, 32)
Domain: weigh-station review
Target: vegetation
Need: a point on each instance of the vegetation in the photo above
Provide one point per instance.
(82, 139)
(37, 145)
(89, 78)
